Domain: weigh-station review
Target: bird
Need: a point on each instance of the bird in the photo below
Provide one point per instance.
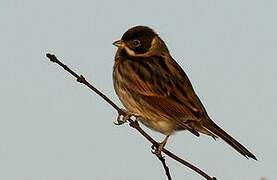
(152, 86)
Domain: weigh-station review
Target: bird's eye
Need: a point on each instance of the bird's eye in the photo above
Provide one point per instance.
(136, 43)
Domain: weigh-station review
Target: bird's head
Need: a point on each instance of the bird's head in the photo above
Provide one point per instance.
(141, 41)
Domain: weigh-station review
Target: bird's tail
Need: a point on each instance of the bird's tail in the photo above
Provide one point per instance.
(211, 126)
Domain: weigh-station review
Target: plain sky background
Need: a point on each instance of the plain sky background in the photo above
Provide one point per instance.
(52, 128)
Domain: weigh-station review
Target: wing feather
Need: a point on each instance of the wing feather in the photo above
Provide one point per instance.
(161, 83)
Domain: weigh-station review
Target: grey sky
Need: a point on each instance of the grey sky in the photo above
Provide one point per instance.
(52, 128)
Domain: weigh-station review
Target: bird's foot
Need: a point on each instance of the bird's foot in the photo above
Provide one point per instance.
(123, 117)
(157, 149)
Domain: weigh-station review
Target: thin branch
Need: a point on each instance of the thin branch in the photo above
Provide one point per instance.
(166, 169)
(133, 124)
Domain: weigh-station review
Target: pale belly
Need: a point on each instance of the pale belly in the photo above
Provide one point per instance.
(160, 125)
(149, 117)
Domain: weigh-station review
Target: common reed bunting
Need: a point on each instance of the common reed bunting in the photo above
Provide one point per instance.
(152, 86)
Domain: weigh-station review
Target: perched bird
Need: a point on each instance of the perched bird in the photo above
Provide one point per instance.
(152, 86)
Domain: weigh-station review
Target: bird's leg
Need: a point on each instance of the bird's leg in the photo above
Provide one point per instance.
(122, 118)
(158, 150)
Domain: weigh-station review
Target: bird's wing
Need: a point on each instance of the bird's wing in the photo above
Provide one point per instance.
(162, 84)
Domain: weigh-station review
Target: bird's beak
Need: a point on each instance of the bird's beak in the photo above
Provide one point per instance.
(118, 43)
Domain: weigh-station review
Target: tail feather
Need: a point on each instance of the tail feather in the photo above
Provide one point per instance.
(211, 126)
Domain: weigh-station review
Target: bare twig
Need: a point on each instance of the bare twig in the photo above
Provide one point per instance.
(133, 124)
(166, 169)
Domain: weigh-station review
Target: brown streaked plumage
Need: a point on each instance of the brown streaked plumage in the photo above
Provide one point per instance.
(151, 84)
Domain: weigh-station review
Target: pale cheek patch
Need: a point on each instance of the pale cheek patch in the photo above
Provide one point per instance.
(154, 45)
(130, 51)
